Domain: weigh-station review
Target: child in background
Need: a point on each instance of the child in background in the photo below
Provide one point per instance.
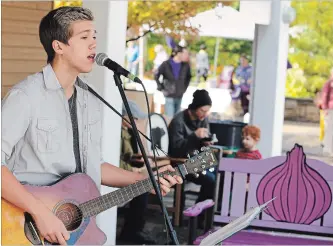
(251, 136)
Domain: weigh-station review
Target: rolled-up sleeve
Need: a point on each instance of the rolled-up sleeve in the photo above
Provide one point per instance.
(15, 120)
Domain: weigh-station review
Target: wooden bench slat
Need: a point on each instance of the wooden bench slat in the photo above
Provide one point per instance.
(279, 225)
(226, 194)
(238, 194)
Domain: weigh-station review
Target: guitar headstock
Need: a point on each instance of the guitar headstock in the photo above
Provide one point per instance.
(199, 163)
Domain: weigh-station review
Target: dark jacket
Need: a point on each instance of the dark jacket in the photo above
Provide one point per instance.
(182, 138)
(170, 86)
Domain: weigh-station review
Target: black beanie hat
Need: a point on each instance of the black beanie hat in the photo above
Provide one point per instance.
(200, 98)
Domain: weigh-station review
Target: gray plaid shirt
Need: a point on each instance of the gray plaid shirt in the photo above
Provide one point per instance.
(37, 135)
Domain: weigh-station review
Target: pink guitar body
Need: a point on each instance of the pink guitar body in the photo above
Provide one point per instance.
(62, 199)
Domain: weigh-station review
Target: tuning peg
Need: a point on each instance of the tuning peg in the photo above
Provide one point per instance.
(196, 175)
(204, 172)
(195, 169)
(188, 156)
(196, 152)
(203, 166)
(203, 148)
(211, 169)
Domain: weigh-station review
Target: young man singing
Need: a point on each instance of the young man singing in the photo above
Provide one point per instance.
(51, 124)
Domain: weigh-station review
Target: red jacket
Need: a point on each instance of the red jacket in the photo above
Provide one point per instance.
(327, 95)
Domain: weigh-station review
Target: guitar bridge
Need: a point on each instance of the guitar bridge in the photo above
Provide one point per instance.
(30, 230)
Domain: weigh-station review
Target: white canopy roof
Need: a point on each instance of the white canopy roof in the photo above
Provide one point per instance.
(232, 25)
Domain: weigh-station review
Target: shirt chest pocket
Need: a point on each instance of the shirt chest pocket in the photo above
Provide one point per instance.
(47, 140)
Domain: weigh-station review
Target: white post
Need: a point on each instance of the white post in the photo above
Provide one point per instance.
(270, 53)
(110, 21)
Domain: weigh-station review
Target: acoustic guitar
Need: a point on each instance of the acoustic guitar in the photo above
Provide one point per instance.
(76, 201)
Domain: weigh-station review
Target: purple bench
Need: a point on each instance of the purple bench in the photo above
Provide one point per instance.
(302, 189)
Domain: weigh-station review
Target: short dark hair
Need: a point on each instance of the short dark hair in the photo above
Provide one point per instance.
(177, 49)
(56, 25)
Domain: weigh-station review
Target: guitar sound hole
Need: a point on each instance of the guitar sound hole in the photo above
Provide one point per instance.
(70, 215)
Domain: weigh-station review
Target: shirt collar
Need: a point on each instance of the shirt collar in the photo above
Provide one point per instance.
(52, 83)
(50, 79)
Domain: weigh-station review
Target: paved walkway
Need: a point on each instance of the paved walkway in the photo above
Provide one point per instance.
(307, 135)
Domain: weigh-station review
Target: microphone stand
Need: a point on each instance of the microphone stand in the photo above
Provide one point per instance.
(118, 81)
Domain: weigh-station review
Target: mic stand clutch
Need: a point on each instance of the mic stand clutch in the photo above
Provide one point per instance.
(144, 155)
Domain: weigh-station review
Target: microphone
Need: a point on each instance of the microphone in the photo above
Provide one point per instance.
(103, 60)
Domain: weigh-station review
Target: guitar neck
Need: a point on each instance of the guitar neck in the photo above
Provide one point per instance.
(100, 204)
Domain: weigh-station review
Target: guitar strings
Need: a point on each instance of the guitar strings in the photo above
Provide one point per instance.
(80, 212)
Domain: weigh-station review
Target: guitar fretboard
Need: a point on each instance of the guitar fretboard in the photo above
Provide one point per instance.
(118, 197)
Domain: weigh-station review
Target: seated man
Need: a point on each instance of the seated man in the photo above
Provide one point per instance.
(189, 131)
(132, 232)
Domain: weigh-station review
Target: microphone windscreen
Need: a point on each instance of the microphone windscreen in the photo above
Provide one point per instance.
(100, 58)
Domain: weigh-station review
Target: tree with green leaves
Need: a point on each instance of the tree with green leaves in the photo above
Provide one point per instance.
(311, 50)
(168, 17)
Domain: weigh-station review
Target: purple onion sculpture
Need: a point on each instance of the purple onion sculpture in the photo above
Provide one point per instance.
(301, 194)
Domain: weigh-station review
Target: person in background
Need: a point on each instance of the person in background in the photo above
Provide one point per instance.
(251, 137)
(176, 78)
(132, 231)
(244, 76)
(132, 55)
(189, 131)
(160, 57)
(327, 107)
(202, 63)
(186, 56)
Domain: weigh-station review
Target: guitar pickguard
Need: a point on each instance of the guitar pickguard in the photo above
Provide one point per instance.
(77, 233)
